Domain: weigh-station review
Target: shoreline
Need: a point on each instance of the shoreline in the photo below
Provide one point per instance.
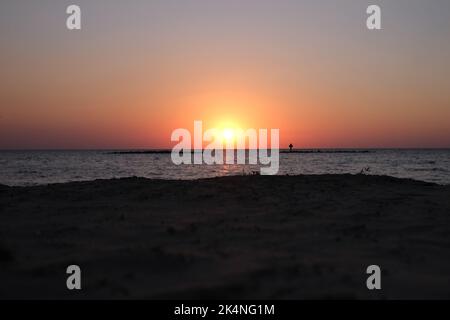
(220, 177)
(251, 237)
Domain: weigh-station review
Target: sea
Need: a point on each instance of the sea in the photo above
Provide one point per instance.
(40, 167)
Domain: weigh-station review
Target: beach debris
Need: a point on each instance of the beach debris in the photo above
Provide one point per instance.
(365, 170)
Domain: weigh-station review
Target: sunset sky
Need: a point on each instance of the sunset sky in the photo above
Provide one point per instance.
(139, 69)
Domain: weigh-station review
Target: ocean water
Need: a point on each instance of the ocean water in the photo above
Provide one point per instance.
(21, 168)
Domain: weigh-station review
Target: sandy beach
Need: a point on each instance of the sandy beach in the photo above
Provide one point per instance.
(281, 237)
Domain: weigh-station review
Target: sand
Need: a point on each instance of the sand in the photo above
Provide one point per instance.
(281, 237)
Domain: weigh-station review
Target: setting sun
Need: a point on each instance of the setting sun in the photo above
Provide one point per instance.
(228, 135)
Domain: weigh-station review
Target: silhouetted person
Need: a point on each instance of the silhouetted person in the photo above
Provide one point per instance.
(290, 147)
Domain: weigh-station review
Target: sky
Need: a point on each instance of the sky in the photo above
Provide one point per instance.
(137, 70)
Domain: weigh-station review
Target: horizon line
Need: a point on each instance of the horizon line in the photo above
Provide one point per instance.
(169, 149)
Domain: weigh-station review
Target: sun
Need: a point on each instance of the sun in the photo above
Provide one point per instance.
(228, 135)
(227, 132)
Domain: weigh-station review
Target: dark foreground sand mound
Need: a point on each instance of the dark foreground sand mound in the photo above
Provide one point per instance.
(233, 237)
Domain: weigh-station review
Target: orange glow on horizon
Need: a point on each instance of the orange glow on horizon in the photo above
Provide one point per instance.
(129, 85)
